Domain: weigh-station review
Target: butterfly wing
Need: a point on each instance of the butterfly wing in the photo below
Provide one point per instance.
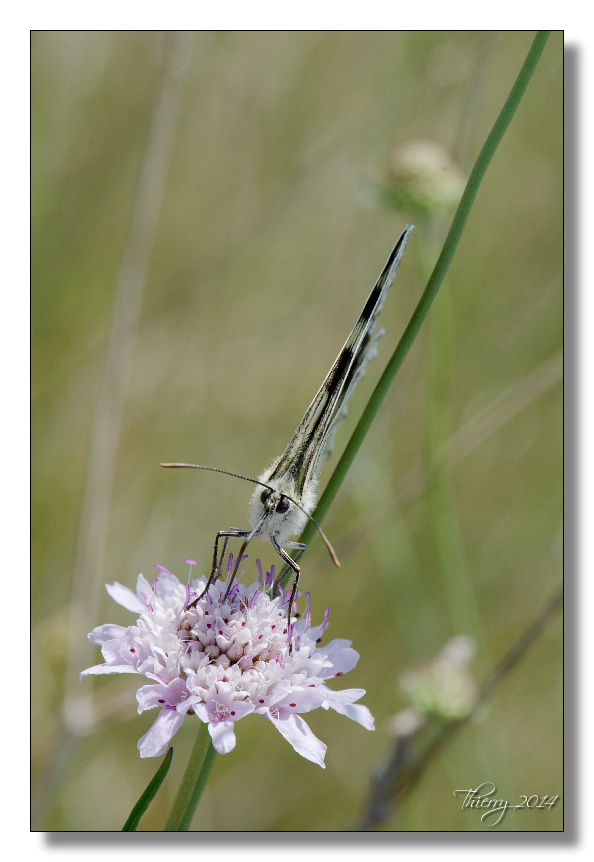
(301, 459)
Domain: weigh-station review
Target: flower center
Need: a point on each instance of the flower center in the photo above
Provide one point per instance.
(240, 631)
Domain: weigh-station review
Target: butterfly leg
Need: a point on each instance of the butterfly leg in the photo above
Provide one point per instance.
(218, 562)
(287, 568)
(293, 565)
(247, 537)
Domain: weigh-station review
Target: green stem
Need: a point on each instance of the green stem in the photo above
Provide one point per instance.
(192, 785)
(149, 794)
(434, 283)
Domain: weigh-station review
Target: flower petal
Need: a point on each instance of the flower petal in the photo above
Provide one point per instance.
(149, 696)
(342, 702)
(155, 741)
(107, 632)
(125, 597)
(342, 658)
(222, 735)
(298, 733)
(302, 701)
(108, 668)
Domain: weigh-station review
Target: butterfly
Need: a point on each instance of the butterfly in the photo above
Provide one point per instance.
(286, 491)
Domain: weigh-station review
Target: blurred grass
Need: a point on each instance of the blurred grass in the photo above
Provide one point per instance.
(268, 239)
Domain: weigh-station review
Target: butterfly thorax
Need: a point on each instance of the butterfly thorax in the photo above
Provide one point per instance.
(275, 506)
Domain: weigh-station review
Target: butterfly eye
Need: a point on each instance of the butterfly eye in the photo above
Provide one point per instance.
(265, 495)
(283, 505)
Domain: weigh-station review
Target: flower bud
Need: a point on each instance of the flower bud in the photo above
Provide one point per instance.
(422, 176)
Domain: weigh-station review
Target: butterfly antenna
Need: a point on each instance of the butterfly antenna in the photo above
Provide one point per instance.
(331, 550)
(325, 539)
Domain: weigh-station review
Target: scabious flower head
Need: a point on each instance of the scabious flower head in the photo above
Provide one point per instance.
(445, 686)
(422, 176)
(224, 659)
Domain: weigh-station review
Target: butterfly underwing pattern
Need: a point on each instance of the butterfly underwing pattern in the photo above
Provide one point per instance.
(286, 491)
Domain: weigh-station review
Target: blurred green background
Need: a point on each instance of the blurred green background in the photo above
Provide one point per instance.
(217, 196)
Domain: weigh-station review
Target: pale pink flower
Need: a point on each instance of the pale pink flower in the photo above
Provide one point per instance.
(223, 660)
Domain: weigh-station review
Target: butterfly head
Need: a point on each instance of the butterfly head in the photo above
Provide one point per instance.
(269, 516)
(274, 507)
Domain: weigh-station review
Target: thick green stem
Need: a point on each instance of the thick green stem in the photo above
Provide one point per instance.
(190, 790)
